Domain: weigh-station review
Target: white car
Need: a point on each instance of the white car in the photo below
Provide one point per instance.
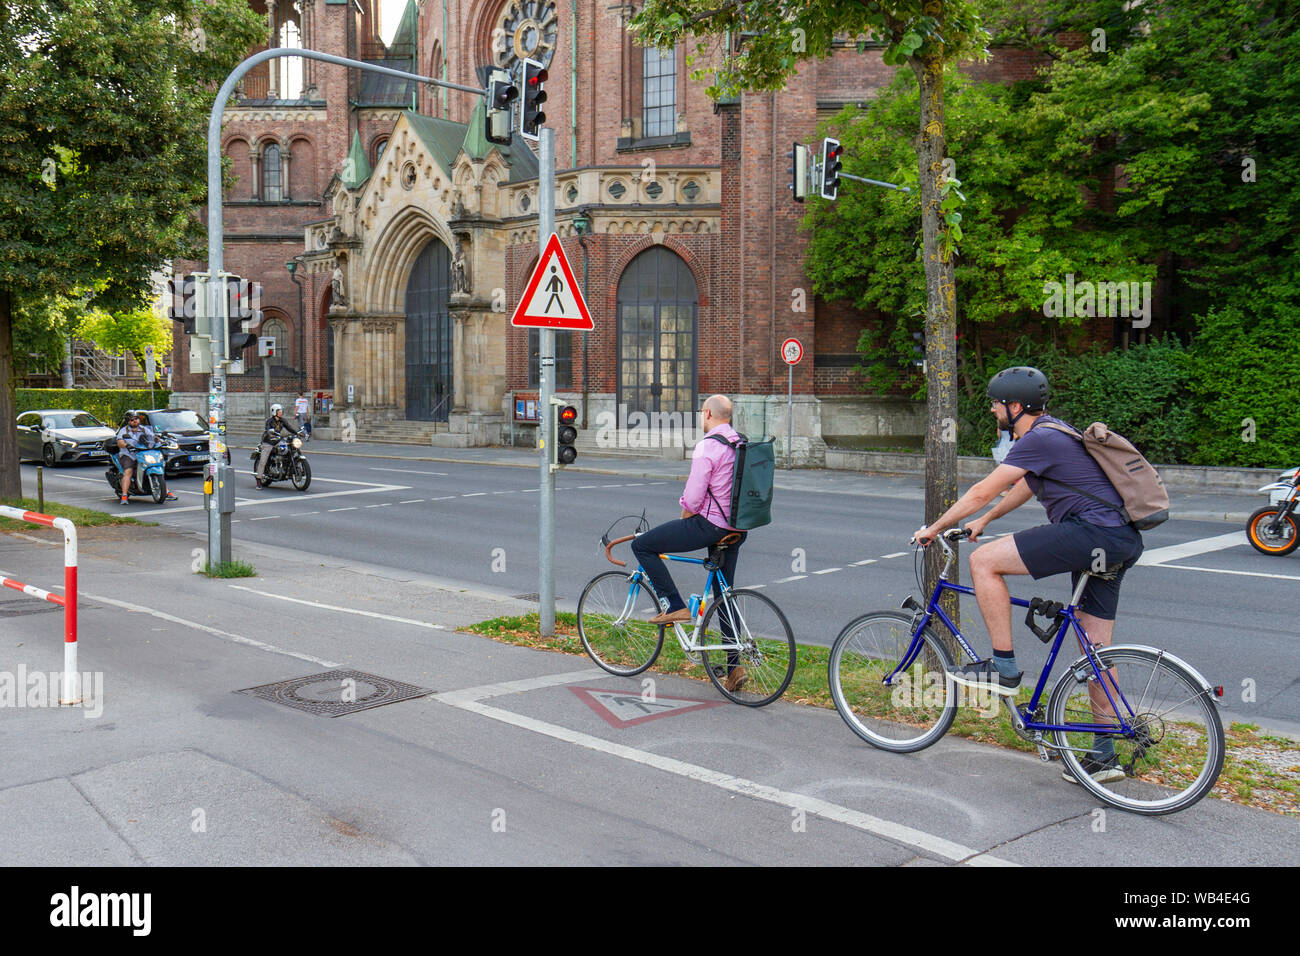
(57, 436)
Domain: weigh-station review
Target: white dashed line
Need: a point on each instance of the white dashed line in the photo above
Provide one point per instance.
(896, 554)
(443, 498)
(413, 501)
(858, 564)
(475, 494)
(332, 510)
(754, 587)
(827, 570)
(264, 518)
(796, 577)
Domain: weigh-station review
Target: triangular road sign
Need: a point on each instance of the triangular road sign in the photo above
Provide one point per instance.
(624, 708)
(552, 299)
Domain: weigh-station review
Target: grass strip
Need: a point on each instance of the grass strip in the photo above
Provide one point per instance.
(81, 517)
(1259, 770)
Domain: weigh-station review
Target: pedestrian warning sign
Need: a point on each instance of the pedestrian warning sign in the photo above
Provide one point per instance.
(552, 299)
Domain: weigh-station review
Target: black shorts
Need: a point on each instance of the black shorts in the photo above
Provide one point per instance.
(1074, 545)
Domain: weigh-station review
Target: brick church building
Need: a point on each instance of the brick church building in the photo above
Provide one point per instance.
(392, 240)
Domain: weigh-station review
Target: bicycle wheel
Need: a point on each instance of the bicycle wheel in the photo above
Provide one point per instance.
(911, 712)
(613, 622)
(1176, 752)
(766, 647)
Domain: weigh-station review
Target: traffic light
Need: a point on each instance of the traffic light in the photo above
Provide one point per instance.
(798, 170)
(239, 340)
(501, 94)
(564, 433)
(531, 117)
(918, 349)
(831, 166)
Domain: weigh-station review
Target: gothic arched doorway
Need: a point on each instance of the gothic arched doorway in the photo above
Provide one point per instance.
(658, 312)
(429, 357)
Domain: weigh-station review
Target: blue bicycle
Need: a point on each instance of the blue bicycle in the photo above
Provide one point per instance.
(888, 674)
(742, 639)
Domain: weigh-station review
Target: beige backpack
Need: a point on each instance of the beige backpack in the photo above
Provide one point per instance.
(1146, 503)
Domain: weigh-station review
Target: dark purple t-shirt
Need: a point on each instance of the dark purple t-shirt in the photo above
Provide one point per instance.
(1048, 453)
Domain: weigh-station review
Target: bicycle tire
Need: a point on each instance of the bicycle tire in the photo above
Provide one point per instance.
(903, 717)
(767, 647)
(620, 643)
(1177, 752)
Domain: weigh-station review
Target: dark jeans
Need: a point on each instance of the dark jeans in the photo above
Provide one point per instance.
(675, 537)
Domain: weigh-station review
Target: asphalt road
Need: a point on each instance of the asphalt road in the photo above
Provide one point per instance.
(836, 549)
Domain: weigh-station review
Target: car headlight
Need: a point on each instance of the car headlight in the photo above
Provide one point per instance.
(70, 444)
(297, 443)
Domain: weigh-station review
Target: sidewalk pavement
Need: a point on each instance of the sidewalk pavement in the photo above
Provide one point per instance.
(181, 770)
(1229, 506)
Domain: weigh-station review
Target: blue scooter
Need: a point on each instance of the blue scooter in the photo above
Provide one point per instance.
(148, 473)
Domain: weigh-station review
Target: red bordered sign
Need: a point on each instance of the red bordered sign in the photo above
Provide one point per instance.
(792, 351)
(552, 299)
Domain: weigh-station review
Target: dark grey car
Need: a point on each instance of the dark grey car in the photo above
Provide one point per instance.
(58, 436)
(185, 438)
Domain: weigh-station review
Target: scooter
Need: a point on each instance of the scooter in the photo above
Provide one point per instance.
(149, 473)
(1273, 529)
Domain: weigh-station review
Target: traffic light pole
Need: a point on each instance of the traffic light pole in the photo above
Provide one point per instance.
(874, 182)
(219, 472)
(546, 391)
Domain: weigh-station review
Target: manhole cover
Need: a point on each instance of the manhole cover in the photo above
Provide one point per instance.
(531, 596)
(336, 693)
(15, 609)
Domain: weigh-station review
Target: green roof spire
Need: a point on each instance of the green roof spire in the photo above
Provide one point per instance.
(356, 164)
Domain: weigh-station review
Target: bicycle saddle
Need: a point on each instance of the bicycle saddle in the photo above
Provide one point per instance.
(715, 550)
(1111, 572)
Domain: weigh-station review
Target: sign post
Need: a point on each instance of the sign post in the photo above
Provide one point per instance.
(792, 353)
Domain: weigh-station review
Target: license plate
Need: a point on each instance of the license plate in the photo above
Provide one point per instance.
(200, 457)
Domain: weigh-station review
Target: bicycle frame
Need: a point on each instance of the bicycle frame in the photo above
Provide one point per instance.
(1069, 620)
(687, 641)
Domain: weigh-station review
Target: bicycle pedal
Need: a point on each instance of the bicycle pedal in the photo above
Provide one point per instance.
(1043, 754)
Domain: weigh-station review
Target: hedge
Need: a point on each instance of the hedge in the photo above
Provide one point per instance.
(106, 404)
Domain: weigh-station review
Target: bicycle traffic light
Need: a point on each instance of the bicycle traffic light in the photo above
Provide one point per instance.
(798, 170)
(918, 349)
(531, 117)
(500, 99)
(564, 433)
(831, 166)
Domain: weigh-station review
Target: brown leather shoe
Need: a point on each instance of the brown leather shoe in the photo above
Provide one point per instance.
(672, 617)
(735, 680)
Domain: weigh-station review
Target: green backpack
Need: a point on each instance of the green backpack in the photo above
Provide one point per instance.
(751, 483)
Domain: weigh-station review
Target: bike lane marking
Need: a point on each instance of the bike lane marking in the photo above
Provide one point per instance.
(346, 610)
(612, 706)
(1190, 549)
(467, 700)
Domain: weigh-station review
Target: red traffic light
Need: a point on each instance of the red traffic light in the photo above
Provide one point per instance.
(538, 78)
(568, 415)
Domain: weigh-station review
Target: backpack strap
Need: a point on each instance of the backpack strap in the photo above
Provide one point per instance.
(1078, 436)
(732, 445)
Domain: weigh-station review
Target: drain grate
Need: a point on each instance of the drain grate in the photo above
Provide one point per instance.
(336, 693)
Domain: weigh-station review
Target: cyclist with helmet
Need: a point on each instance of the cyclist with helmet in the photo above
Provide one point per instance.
(1042, 462)
(274, 426)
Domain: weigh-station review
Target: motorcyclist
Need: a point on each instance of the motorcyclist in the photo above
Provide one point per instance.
(275, 425)
(131, 437)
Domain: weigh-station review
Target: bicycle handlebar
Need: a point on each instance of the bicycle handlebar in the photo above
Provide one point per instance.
(610, 544)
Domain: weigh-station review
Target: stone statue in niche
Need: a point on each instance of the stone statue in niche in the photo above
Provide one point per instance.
(460, 277)
(339, 297)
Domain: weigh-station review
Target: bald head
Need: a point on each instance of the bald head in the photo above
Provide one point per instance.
(719, 407)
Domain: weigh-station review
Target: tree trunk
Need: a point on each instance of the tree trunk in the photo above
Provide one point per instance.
(10, 480)
(940, 319)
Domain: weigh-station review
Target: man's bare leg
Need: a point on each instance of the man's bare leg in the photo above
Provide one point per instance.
(988, 564)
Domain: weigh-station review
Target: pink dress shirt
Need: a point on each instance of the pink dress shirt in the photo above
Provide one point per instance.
(712, 467)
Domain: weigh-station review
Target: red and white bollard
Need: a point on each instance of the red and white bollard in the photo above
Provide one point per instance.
(68, 600)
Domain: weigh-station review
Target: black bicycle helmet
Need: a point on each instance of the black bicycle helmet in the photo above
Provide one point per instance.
(1022, 384)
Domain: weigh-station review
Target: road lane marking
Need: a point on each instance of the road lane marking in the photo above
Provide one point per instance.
(485, 691)
(897, 832)
(1253, 574)
(413, 501)
(1191, 549)
(369, 488)
(896, 554)
(858, 564)
(411, 471)
(475, 494)
(345, 610)
(353, 508)
(794, 577)
(443, 498)
(264, 518)
(827, 570)
(225, 635)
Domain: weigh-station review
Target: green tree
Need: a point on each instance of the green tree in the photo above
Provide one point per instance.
(103, 122)
(927, 36)
(128, 332)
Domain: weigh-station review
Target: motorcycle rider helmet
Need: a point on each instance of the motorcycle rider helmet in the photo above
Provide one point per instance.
(277, 409)
(1022, 384)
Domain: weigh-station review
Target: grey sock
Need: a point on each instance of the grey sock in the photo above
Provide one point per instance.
(1006, 664)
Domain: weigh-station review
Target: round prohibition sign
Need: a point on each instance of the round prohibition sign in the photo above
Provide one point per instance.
(791, 351)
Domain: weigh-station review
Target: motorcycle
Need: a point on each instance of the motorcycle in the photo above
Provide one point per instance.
(1273, 529)
(286, 461)
(147, 478)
